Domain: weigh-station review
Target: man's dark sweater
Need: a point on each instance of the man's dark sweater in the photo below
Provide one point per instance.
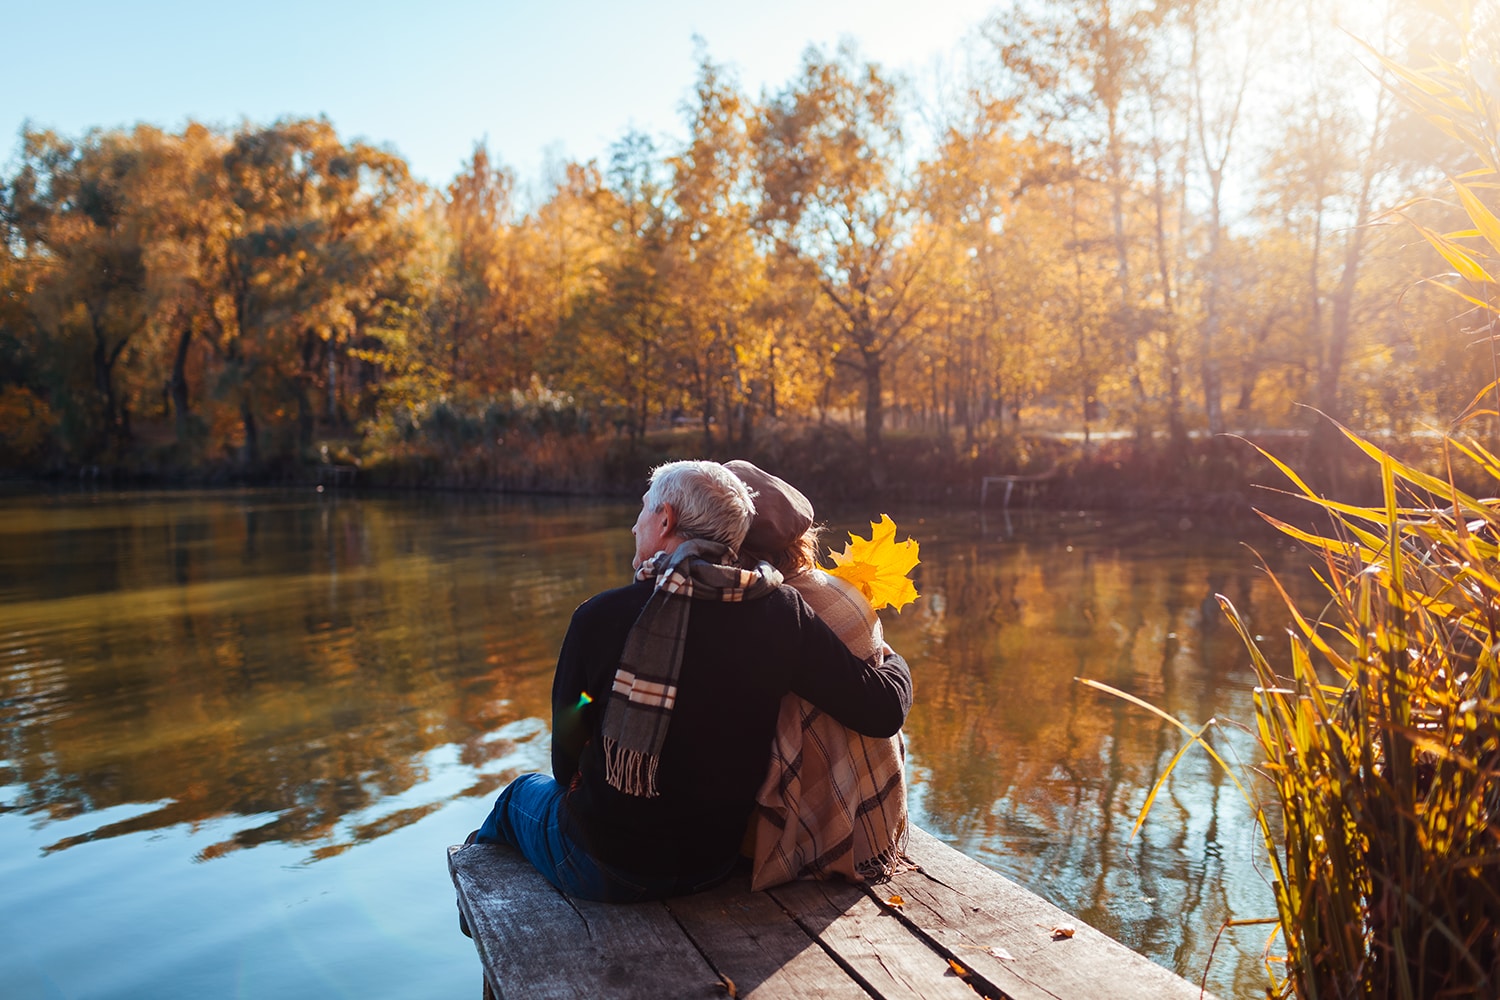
(738, 662)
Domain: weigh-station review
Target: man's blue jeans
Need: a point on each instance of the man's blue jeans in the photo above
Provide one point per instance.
(527, 817)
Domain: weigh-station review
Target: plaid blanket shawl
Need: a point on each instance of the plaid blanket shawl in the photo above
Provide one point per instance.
(834, 801)
(645, 685)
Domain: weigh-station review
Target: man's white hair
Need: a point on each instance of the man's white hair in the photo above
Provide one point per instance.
(711, 502)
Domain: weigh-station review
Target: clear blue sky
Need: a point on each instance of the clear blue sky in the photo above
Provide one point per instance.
(431, 78)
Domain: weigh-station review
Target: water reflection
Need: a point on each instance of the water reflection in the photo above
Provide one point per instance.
(1042, 777)
(322, 672)
(286, 660)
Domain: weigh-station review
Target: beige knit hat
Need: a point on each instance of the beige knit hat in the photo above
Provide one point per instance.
(782, 513)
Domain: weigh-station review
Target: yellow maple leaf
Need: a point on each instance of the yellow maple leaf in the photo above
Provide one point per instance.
(878, 565)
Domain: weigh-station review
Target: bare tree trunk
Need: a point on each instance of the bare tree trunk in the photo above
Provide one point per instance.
(250, 452)
(177, 386)
(1208, 332)
(333, 385)
(874, 409)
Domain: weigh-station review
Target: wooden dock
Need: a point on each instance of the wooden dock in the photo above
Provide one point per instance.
(949, 930)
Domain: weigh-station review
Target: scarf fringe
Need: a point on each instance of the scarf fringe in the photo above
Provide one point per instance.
(631, 771)
(889, 862)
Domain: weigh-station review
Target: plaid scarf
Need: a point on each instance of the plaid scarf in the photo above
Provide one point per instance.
(645, 688)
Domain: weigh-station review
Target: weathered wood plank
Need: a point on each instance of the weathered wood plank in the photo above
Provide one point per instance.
(537, 944)
(751, 940)
(809, 939)
(976, 916)
(887, 958)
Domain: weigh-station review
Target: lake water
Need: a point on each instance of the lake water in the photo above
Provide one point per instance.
(238, 729)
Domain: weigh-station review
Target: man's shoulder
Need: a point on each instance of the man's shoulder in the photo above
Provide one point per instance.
(625, 603)
(783, 605)
(621, 600)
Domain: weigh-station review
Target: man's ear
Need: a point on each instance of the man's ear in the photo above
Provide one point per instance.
(668, 519)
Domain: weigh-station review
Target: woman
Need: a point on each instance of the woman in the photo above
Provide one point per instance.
(834, 801)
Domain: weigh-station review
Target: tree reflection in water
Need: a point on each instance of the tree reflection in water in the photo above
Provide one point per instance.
(1043, 778)
(306, 664)
(288, 660)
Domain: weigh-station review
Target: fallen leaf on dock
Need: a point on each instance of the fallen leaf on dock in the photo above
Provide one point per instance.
(896, 901)
(958, 970)
(1002, 954)
(1063, 931)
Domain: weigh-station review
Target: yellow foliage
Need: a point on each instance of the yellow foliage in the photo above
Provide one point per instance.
(878, 565)
(25, 421)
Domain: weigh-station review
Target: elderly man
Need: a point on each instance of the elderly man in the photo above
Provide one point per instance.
(665, 700)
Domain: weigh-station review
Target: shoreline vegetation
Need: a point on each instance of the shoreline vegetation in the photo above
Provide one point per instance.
(1230, 476)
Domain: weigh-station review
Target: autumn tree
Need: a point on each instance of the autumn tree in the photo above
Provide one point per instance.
(1343, 157)
(72, 209)
(27, 421)
(567, 247)
(316, 241)
(611, 350)
(185, 215)
(1076, 74)
(986, 265)
(838, 199)
(1164, 146)
(1224, 51)
(715, 272)
(477, 312)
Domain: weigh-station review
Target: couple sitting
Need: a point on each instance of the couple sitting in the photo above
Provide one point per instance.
(706, 700)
